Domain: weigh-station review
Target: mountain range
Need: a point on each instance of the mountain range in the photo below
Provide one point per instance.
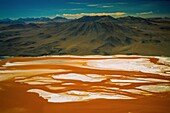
(27, 20)
(87, 35)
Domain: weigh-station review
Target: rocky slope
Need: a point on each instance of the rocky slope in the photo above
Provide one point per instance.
(87, 35)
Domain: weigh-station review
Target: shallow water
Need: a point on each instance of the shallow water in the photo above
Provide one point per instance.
(86, 84)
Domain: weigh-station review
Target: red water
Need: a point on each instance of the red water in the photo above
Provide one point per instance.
(15, 98)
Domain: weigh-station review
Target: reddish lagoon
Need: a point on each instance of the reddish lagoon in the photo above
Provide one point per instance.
(85, 84)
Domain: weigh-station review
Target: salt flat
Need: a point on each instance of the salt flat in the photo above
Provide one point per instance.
(74, 79)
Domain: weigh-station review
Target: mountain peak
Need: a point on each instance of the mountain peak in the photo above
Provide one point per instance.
(59, 18)
(133, 19)
(108, 19)
(92, 18)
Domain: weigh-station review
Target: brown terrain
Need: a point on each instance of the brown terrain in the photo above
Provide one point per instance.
(88, 84)
(102, 35)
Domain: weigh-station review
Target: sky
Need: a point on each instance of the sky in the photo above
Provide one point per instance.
(77, 8)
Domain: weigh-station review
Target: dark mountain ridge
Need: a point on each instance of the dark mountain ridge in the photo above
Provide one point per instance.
(87, 35)
(26, 20)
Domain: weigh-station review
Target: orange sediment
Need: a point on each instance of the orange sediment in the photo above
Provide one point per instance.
(82, 85)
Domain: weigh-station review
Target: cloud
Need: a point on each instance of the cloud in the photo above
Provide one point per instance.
(115, 14)
(106, 6)
(145, 13)
(100, 5)
(93, 5)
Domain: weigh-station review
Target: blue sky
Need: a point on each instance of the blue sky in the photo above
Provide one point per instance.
(77, 8)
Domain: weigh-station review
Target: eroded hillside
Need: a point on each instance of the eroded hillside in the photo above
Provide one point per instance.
(87, 35)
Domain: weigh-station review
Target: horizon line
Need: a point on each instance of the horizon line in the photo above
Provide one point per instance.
(81, 17)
